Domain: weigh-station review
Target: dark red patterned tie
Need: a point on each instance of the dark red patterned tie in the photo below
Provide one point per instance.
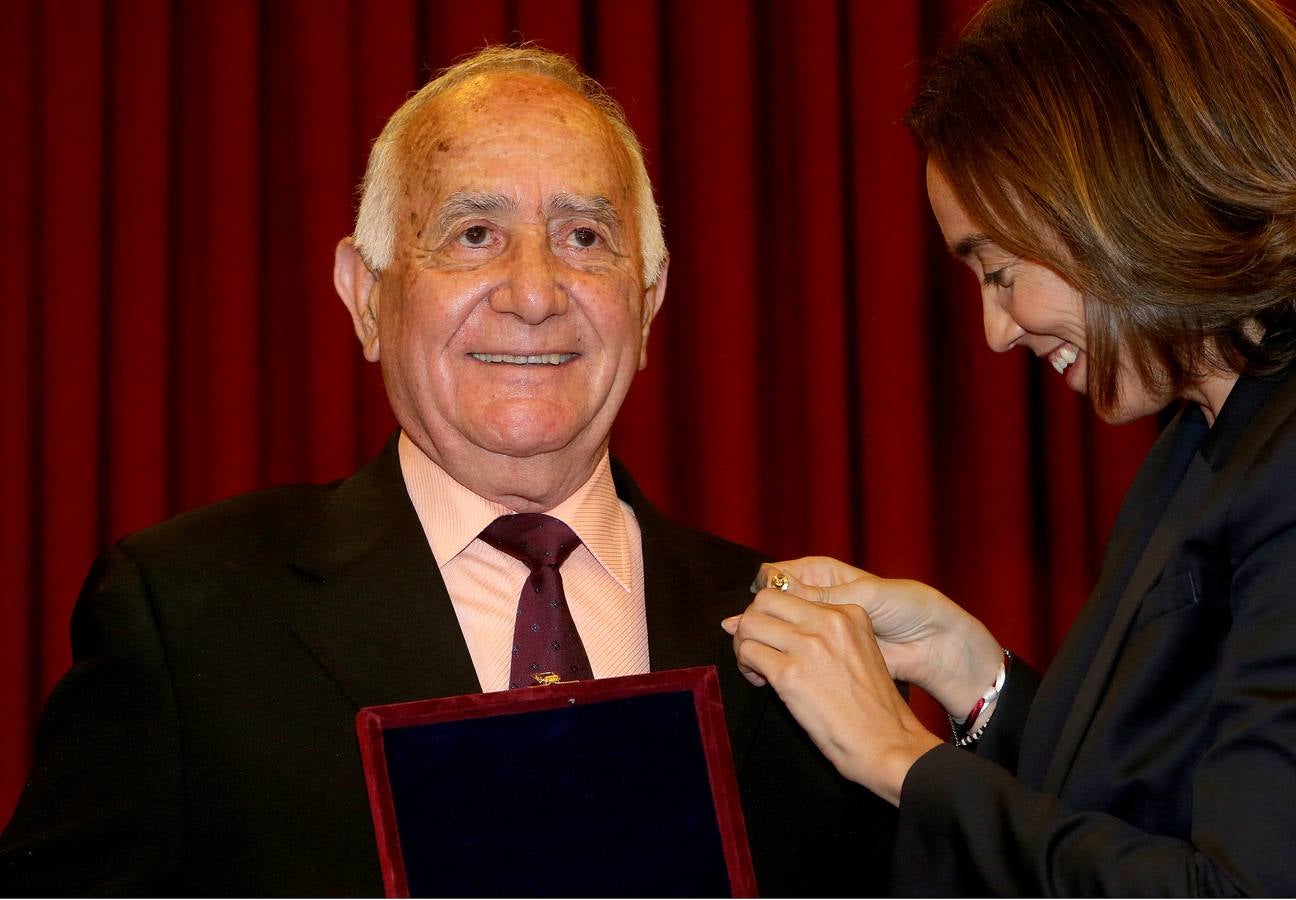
(545, 642)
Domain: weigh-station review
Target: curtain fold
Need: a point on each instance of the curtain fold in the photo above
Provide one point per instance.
(175, 178)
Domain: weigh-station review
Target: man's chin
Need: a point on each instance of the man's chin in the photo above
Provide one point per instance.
(528, 442)
(510, 441)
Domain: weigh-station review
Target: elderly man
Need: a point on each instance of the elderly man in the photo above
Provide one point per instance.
(506, 266)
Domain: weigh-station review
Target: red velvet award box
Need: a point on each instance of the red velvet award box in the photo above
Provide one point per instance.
(611, 787)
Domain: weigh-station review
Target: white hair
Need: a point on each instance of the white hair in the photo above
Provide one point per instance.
(375, 228)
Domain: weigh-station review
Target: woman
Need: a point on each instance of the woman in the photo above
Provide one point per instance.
(1120, 175)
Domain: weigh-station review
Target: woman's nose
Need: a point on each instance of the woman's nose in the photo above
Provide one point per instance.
(1001, 329)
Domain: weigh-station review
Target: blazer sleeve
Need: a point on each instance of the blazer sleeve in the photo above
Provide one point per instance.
(1002, 738)
(101, 811)
(967, 825)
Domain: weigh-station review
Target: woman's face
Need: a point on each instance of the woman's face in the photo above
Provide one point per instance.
(1025, 304)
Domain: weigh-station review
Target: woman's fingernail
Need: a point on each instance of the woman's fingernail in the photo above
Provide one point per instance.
(730, 624)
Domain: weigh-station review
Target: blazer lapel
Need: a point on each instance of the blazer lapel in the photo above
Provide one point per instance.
(1055, 697)
(1169, 533)
(376, 615)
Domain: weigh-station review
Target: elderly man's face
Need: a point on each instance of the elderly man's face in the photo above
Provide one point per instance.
(513, 319)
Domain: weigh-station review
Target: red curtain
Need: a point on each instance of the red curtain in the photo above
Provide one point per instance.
(176, 174)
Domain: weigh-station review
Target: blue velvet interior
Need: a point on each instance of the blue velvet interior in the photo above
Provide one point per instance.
(609, 798)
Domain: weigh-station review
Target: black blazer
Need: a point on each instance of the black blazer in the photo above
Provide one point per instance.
(1158, 755)
(203, 742)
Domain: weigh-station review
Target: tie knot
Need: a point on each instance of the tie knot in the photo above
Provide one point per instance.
(536, 539)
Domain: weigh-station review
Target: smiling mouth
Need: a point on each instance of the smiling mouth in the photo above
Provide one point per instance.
(1063, 357)
(537, 359)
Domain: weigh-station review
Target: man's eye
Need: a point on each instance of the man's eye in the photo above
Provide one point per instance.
(476, 236)
(584, 237)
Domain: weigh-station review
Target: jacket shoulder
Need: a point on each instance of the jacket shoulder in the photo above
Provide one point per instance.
(246, 527)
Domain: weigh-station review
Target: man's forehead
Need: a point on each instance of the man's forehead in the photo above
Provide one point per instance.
(496, 134)
(504, 106)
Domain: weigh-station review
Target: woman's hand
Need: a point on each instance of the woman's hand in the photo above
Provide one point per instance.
(824, 663)
(926, 638)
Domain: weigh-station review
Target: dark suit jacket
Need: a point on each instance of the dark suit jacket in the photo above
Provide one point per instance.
(1158, 755)
(203, 742)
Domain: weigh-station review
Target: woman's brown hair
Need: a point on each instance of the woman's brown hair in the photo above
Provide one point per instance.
(1146, 151)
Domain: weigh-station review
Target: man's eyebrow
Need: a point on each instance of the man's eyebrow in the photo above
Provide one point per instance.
(964, 248)
(466, 204)
(600, 209)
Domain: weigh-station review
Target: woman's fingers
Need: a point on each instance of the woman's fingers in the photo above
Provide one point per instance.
(756, 626)
(809, 610)
(862, 590)
(821, 571)
(783, 581)
(817, 636)
(787, 623)
(892, 610)
(755, 658)
(774, 620)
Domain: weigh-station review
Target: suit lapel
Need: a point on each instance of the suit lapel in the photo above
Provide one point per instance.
(678, 597)
(684, 610)
(376, 615)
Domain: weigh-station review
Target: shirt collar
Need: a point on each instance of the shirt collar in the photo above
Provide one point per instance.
(453, 516)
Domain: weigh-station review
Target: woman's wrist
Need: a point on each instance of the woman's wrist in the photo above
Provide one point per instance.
(896, 763)
(977, 661)
(967, 731)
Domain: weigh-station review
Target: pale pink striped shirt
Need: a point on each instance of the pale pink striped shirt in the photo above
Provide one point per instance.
(603, 578)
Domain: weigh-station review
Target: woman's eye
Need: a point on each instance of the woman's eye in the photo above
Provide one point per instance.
(584, 237)
(476, 236)
(996, 278)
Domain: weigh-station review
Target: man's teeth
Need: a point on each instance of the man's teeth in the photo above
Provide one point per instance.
(542, 359)
(1064, 357)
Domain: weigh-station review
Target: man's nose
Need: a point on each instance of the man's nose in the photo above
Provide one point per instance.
(1001, 329)
(530, 288)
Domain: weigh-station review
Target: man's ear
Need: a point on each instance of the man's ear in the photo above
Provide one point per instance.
(357, 285)
(653, 297)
